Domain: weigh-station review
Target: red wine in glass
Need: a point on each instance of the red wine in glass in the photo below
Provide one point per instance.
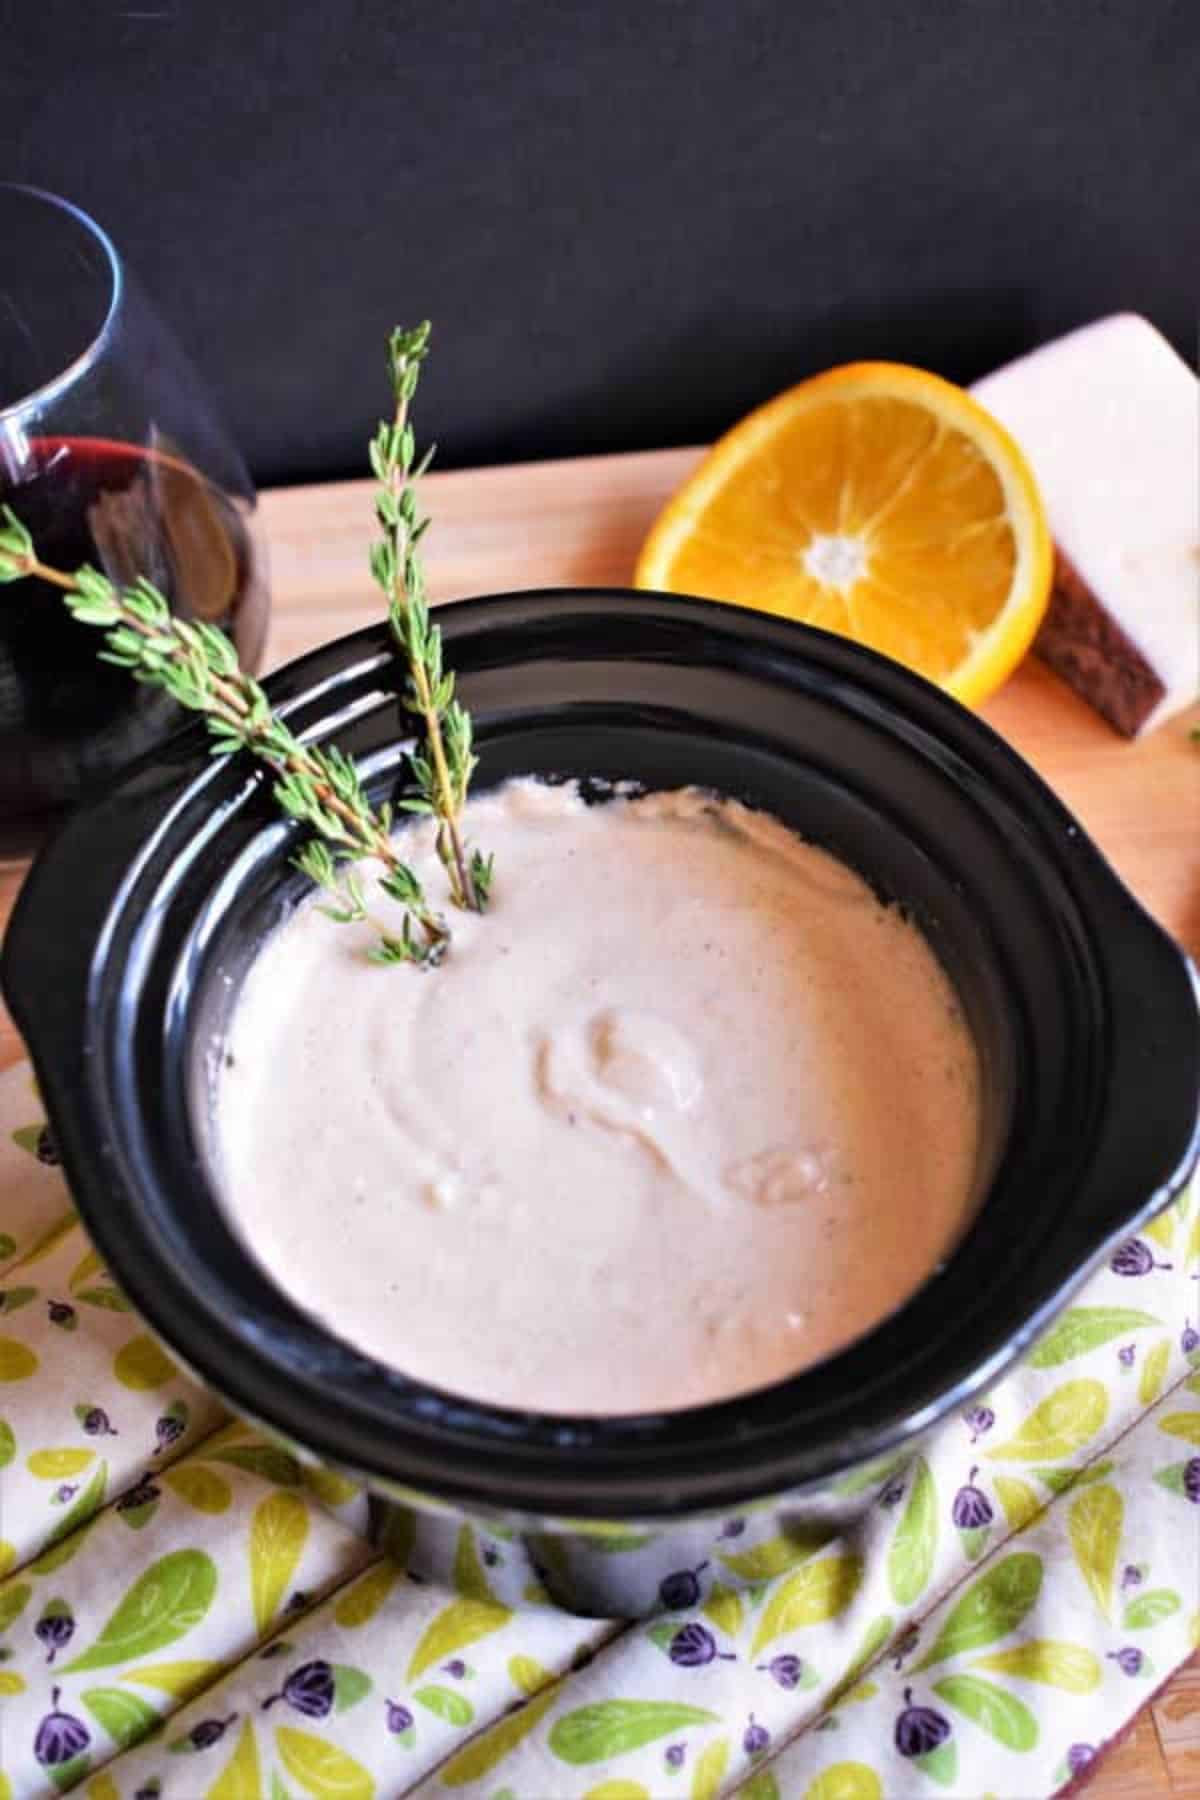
(110, 454)
(65, 716)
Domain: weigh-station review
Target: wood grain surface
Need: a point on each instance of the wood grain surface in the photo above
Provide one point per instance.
(580, 522)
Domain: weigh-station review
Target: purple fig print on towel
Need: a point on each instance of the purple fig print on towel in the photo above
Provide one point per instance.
(60, 1737)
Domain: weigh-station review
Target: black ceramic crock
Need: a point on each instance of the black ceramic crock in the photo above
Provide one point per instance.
(137, 922)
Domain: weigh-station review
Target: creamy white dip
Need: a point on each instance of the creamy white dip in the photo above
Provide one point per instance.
(686, 1110)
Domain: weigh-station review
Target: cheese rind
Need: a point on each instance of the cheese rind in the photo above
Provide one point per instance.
(1108, 419)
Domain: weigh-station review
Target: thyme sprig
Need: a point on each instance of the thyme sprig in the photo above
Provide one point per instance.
(443, 766)
(320, 787)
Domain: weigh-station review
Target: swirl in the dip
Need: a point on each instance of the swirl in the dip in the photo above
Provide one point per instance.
(686, 1110)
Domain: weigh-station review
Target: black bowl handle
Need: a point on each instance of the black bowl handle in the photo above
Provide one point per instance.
(59, 920)
(1148, 1140)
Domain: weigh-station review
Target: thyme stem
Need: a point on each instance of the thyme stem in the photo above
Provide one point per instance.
(442, 771)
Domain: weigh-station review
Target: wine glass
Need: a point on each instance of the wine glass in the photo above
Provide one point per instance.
(110, 453)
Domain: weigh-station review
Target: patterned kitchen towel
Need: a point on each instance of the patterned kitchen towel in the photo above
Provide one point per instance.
(187, 1612)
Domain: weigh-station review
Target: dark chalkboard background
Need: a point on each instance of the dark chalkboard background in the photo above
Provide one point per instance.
(628, 222)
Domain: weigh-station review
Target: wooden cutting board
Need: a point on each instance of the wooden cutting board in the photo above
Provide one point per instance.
(580, 523)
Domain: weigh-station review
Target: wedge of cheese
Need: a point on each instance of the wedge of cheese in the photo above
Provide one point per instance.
(1109, 419)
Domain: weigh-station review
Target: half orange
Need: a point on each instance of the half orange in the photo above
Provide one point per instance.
(877, 501)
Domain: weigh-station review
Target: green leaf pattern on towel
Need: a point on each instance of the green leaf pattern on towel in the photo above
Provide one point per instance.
(1085, 1328)
(1094, 1521)
(278, 1533)
(321, 1768)
(1070, 1667)
(446, 1703)
(775, 1556)
(610, 1728)
(910, 1559)
(124, 1715)
(821, 1590)
(162, 1605)
(1150, 1609)
(840, 1781)
(488, 1750)
(1060, 1425)
(992, 1708)
(991, 1608)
